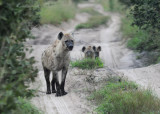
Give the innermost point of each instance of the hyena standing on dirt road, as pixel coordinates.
(56, 58)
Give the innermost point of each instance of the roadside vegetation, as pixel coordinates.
(16, 70)
(111, 5)
(141, 25)
(25, 107)
(90, 11)
(124, 97)
(93, 22)
(57, 12)
(88, 63)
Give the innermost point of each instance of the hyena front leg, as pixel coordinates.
(58, 92)
(64, 73)
(46, 74)
(54, 82)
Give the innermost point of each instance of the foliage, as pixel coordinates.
(57, 12)
(25, 107)
(146, 13)
(123, 97)
(16, 19)
(110, 5)
(90, 11)
(93, 22)
(88, 63)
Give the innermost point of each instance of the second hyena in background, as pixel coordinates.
(91, 52)
(56, 58)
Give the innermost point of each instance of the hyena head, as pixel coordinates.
(96, 51)
(88, 51)
(67, 41)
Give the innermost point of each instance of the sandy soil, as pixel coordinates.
(79, 84)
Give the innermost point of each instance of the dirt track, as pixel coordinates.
(114, 53)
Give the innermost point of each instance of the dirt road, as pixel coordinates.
(114, 53)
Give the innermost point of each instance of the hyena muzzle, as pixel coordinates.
(56, 58)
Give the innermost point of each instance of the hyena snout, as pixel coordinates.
(89, 53)
(70, 44)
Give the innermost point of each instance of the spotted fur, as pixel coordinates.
(56, 58)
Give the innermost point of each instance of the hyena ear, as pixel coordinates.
(83, 49)
(60, 35)
(99, 48)
(94, 48)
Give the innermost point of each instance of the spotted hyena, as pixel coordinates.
(96, 51)
(91, 51)
(56, 58)
(88, 52)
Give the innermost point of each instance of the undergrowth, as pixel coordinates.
(124, 97)
(57, 12)
(90, 10)
(88, 63)
(93, 22)
(25, 107)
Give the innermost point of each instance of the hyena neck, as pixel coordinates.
(60, 51)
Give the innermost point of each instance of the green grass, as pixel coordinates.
(123, 97)
(25, 107)
(93, 22)
(111, 5)
(88, 63)
(90, 11)
(56, 13)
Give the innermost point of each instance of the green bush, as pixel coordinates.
(16, 19)
(93, 22)
(88, 63)
(123, 97)
(25, 107)
(56, 13)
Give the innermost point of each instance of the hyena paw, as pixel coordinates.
(63, 93)
(53, 91)
(48, 92)
(58, 94)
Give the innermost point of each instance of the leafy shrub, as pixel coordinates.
(56, 13)
(93, 22)
(123, 97)
(17, 17)
(88, 63)
(25, 107)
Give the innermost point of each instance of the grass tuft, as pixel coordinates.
(93, 22)
(124, 98)
(90, 11)
(88, 63)
(56, 13)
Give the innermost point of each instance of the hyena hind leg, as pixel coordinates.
(54, 82)
(47, 74)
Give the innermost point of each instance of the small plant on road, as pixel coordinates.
(88, 63)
